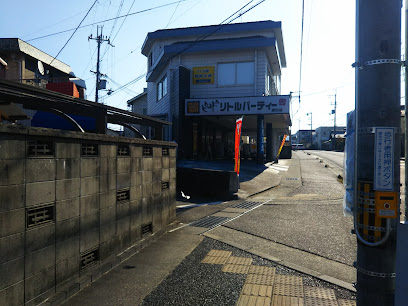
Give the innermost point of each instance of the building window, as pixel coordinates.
(269, 84)
(162, 88)
(230, 74)
(150, 60)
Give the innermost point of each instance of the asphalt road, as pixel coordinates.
(335, 160)
(307, 215)
(331, 156)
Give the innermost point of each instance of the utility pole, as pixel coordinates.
(334, 112)
(334, 128)
(311, 129)
(99, 39)
(377, 158)
(406, 110)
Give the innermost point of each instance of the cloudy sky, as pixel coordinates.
(328, 43)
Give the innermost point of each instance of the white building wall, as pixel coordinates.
(261, 67)
(213, 59)
(161, 107)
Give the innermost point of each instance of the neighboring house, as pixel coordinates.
(305, 137)
(203, 85)
(23, 63)
(138, 105)
(29, 65)
(325, 133)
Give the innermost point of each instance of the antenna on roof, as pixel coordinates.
(40, 67)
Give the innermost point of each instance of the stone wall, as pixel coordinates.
(71, 204)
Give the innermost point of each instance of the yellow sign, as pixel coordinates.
(193, 107)
(386, 204)
(203, 75)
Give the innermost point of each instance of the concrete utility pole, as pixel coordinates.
(99, 39)
(334, 128)
(406, 109)
(377, 166)
(311, 129)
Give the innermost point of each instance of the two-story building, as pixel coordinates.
(138, 105)
(204, 78)
(305, 137)
(325, 133)
(24, 63)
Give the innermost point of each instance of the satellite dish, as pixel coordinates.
(40, 67)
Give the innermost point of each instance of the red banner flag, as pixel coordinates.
(238, 127)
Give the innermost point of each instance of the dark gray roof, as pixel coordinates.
(218, 29)
(131, 101)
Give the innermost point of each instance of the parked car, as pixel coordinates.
(298, 146)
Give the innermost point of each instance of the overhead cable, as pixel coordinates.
(202, 37)
(106, 20)
(73, 33)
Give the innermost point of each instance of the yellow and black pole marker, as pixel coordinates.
(377, 159)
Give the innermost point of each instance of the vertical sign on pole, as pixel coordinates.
(238, 127)
(384, 159)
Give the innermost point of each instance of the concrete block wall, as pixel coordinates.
(70, 203)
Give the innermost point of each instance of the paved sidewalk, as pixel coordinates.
(189, 266)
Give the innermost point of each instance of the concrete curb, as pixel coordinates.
(258, 192)
(285, 263)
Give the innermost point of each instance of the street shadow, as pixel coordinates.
(248, 168)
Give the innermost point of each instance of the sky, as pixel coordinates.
(328, 44)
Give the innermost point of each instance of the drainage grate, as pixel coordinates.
(39, 215)
(147, 151)
(123, 150)
(292, 179)
(89, 149)
(246, 205)
(89, 259)
(147, 228)
(40, 148)
(122, 195)
(165, 151)
(210, 222)
(165, 185)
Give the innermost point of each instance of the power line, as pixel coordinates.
(126, 85)
(91, 58)
(52, 25)
(202, 37)
(173, 14)
(106, 49)
(117, 15)
(106, 20)
(73, 33)
(189, 9)
(123, 21)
